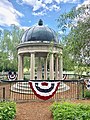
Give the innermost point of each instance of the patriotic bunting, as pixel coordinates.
(88, 85)
(12, 76)
(44, 89)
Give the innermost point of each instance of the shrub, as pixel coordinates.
(69, 111)
(7, 110)
(87, 93)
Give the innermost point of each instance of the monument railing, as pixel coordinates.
(20, 91)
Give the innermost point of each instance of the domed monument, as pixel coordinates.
(38, 42)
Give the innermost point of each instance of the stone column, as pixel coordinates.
(60, 68)
(32, 65)
(56, 68)
(20, 67)
(51, 67)
(45, 69)
(39, 70)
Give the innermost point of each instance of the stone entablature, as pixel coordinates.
(38, 48)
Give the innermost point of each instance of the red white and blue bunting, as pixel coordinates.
(87, 84)
(12, 76)
(44, 89)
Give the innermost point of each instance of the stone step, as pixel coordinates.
(25, 88)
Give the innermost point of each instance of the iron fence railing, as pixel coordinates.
(20, 90)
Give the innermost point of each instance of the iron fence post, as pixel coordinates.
(3, 93)
(83, 89)
(78, 90)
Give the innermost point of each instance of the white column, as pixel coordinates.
(56, 68)
(45, 69)
(20, 67)
(32, 64)
(51, 67)
(60, 68)
(39, 70)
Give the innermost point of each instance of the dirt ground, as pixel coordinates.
(34, 111)
(38, 110)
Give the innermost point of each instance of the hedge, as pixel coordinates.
(7, 110)
(87, 94)
(70, 111)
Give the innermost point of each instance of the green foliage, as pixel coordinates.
(27, 62)
(9, 40)
(87, 94)
(76, 39)
(7, 110)
(69, 111)
(50, 49)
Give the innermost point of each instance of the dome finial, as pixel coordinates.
(40, 23)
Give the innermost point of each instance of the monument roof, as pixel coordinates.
(39, 33)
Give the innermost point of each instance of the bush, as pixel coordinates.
(87, 93)
(69, 111)
(7, 110)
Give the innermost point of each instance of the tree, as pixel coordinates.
(9, 39)
(77, 42)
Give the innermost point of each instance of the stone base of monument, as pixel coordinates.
(24, 87)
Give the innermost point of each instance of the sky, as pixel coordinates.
(26, 13)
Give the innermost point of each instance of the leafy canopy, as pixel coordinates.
(76, 38)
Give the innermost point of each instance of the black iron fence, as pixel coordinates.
(20, 90)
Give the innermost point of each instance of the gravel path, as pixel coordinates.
(34, 111)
